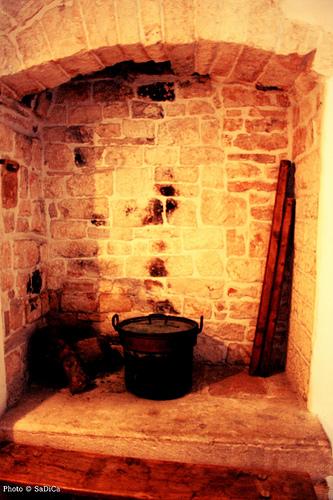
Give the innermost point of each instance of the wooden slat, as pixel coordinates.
(264, 368)
(273, 247)
(120, 477)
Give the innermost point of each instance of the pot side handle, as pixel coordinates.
(201, 324)
(115, 321)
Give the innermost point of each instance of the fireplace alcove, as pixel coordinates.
(131, 205)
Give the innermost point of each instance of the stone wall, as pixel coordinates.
(162, 206)
(22, 246)
(306, 122)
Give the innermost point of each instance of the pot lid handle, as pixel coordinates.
(115, 321)
(157, 316)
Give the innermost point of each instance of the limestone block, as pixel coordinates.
(235, 96)
(161, 155)
(195, 308)
(255, 141)
(89, 268)
(212, 176)
(6, 138)
(119, 247)
(245, 270)
(231, 331)
(205, 54)
(38, 221)
(176, 174)
(6, 254)
(90, 208)
(241, 186)
(118, 156)
(16, 314)
(110, 91)
(85, 62)
(33, 45)
(242, 170)
(175, 109)
(58, 157)
(179, 131)
(54, 187)
(256, 157)
(235, 242)
(181, 213)
(49, 74)
(151, 24)
(250, 65)
(86, 302)
(243, 310)
(139, 128)
(201, 155)
(221, 208)
(89, 113)
(9, 221)
(127, 213)
(262, 213)
(258, 239)
(202, 238)
(196, 287)
(26, 253)
(114, 302)
(104, 133)
(200, 87)
(179, 265)
(23, 148)
(244, 292)
(266, 124)
(227, 54)
(22, 225)
(178, 22)
(61, 230)
(57, 114)
(117, 109)
(131, 182)
(73, 249)
(7, 280)
(200, 107)
(56, 273)
(71, 37)
(98, 184)
(145, 109)
(209, 263)
(102, 32)
(210, 131)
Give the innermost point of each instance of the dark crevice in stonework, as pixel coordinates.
(159, 91)
(171, 206)
(167, 190)
(79, 158)
(35, 282)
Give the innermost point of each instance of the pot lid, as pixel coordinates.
(158, 323)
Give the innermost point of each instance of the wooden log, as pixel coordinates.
(273, 247)
(101, 476)
(264, 367)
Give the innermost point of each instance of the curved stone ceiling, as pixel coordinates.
(44, 43)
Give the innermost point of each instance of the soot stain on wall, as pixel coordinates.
(159, 91)
(157, 267)
(154, 212)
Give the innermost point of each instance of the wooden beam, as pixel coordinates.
(273, 248)
(112, 477)
(264, 368)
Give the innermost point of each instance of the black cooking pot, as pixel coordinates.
(158, 353)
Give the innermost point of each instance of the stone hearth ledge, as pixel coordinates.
(237, 421)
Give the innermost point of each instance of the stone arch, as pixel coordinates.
(44, 43)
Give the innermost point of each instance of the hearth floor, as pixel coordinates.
(230, 418)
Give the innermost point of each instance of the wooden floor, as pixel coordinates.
(102, 476)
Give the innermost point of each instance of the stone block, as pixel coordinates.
(110, 91)
(9, 188)
(73, 249)
(245, 270)
(33, 45)
(232, 331)
(16, 314)
(118, 156)
(139, 128)
(54, 187)
(255, 141)
(243, 310)
(225, 60)
(250, 65)
(71, 38)
(256, 157)
(58, 157)
(262, 213)
(81, 115)
(244, 292)
(6, 138)
(179, 131)
(74, 64)
(114, 302)
(90, 208)
(242, 186)
(219, 208)
(238, 354)
(57, 114)
(267, 124)
(9, 221)
(85, 302)
(196, 287)
(197, 87)
(26, 254)
(201, 155)
(210, 131)
(127, 213)
(235, 242)
(181, 213)
(212, 176)
(61, 230)
(92, 268)
(117, 109)
(104, 133)
(99, 184)
(194, 308)
(143, 109)
(161, 155)
(131, 182)
(202, 238)
(38, 220)
(209, 263)
(175, 109)
(200, 107)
